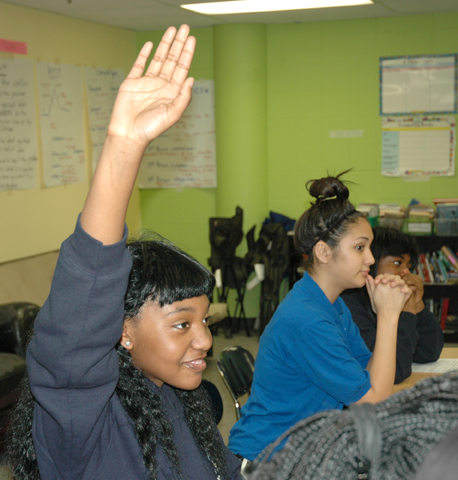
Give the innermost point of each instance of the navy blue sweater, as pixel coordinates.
(80, 429)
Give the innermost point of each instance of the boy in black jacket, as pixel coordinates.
(420, 337)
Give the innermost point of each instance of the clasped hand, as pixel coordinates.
(415, 283)
(388, 293)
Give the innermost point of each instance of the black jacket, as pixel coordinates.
(420, 337)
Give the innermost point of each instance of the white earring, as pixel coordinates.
(127, 343)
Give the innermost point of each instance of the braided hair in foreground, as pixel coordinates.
(385, 441)
(164, 274)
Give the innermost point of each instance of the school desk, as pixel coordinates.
(447, 352)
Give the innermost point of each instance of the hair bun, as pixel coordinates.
(328, 187)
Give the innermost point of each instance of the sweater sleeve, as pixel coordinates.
(72, 362)
(406, 344)
(431, 338)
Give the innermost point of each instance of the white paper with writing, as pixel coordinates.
(102, 86)
(18, 130)
(60, 90)
(185, 155)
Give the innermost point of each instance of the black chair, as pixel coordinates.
(271, 249)
(225, 235)
(236, 367)
(16, 323)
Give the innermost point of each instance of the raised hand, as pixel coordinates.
(149, 102)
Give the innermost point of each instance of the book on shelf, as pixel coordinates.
(445, 260)
(436, 267)
(445, 200)
(441, 276)
(451, 256)
(441, 265)
(421, 210)
(445, 303)
(391, 206)
(391, 210)
(369, 209)
(435, 277)
(424, 268)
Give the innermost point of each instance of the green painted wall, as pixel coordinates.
(324, 76)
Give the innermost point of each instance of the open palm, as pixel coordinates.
(149, 102)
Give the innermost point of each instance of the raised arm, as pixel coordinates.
(148, 103)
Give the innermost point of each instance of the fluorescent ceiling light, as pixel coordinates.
(250, 6)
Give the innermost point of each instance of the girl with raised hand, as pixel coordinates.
(311, 356)
(115, 364)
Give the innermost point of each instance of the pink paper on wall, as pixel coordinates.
(12, 46)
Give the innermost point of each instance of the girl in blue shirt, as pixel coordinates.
(311, 356)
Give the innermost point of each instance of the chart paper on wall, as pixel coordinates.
(60, 90)
(185, 155)
(18, 130)
(102, 86)
(418, 84)
(414, 146)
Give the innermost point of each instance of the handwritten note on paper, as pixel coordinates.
(418, 146)
(185, 155)
(102, 85)
(60, 89)
(18, 135)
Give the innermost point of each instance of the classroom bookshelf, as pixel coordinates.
(436, 292)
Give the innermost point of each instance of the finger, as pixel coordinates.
(369, 283)
(182, 100)
(184, 63)
(161, 52)
(398, 282)
(139, 66)
(171, 56)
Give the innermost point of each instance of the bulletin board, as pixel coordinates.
(418, 146)
(423, 84)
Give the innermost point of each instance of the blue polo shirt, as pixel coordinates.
(311, 358)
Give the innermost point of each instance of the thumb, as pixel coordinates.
(184, 97)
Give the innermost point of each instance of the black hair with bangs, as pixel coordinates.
(164, 274)
(391, 242)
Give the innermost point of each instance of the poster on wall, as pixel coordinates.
(18, 130)
(418, 84)
(418, 146)
(60, 96)
(102, 85)
(185, 155)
